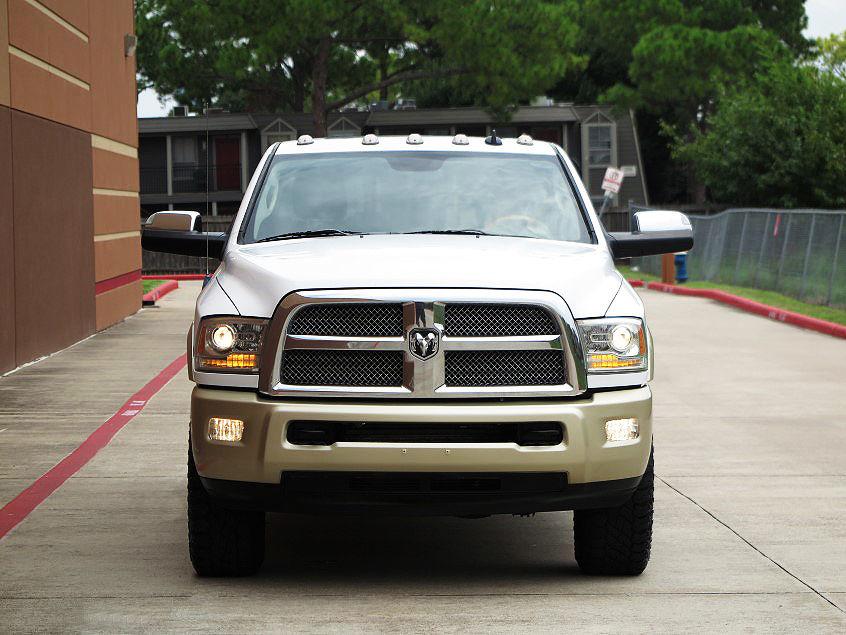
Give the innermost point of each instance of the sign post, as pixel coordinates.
(611, 184)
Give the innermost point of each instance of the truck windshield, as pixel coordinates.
(405, 192)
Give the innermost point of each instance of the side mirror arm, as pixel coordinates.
(632, 244)
(184, 243)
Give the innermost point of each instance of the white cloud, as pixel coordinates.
(149, 105)
(825, 17)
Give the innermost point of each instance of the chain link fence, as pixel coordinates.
(800, 253)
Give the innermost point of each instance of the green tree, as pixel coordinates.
(832, 53)
(324, 54)
(779, 139)
(668, 59)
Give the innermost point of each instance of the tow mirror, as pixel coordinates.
(176, 220)
(179, 232)
(655, 232)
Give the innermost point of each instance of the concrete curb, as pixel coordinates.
(771, 312)
(149, 298)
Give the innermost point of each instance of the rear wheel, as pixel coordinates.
(617, 540)
(221, 541)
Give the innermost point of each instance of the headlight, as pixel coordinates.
(229, 344)
(613, 344)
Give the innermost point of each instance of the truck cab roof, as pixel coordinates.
(397, 143)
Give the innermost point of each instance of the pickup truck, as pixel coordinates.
(419, 325)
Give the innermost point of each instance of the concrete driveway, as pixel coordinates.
(750, 529)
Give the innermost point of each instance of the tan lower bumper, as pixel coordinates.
(263, 453)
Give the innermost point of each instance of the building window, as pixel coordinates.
(343, 128)
(600, 139)
(276, 131)
(184, 150)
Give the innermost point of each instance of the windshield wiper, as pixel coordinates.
(466, 232)
(310, 233)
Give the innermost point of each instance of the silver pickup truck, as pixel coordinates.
(419, 325)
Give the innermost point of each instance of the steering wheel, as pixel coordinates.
(528, 224)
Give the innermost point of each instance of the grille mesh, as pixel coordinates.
(342, 368)
(360, 319)
(504, 368)
(496, 320)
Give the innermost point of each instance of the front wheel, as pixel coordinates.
(617, 540)
(221, 542)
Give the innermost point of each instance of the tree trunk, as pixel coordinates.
(699, 189)
(299, 74)
(700, 192)
(383, 74)
(299, 94)
(319, 79)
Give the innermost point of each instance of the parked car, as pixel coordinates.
(420, 325)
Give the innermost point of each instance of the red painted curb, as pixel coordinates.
(635, 283)
(745, 304)
(24, 503)
(176, 276)
(158, 292)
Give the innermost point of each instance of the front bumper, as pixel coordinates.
(592, 468)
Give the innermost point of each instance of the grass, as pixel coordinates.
(758, 295)
(149, 285)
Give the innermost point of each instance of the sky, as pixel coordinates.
(824, 18)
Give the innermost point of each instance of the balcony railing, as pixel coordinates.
(192, 178)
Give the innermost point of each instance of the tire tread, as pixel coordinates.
(617, 540)
(221, 542)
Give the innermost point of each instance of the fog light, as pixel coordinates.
(230, 430)
(617, 430)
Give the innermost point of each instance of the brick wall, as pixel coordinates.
(70, 253)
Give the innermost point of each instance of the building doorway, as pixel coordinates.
(227, 163)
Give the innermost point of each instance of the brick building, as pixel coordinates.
(70, 252)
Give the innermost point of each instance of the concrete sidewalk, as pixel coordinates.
(750, 519)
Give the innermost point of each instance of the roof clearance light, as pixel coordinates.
(305, 140)
(414, 139)
(461, 140)
(525, 140)
(369, 140)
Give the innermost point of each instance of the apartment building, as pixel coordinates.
(203, 163)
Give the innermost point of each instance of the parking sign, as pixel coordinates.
(613, 180)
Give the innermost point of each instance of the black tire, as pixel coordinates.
(617, 540)
(222, 542)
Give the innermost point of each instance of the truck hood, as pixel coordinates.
(257, 276)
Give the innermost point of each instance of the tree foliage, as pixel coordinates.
(323, 54)
(669, 60)
(778, 140)
(832, 52)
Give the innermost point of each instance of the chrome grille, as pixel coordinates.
(359, 319)
(342, 368)
(366, 343)
(497, 320)
(504, 368)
